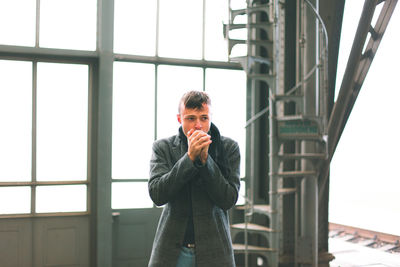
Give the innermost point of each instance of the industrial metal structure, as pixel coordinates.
(303, 128)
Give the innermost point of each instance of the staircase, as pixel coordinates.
(296, 120)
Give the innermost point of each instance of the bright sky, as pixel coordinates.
(365, 178)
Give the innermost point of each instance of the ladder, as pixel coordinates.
(302, 128)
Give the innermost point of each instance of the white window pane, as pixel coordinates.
(130, 195)
(173, 82)
(180, 28)
(135, 30)
(69, 24)
(15, 120)
(242, 194)
(238, 4)
(14, 200)
(227, 89)
(61, 198)
(133, 119)
(216, 47)
(62, 121)
(17, 24)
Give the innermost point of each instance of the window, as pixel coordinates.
(44, 141)
(44, 96)
(135, 34)
(17, 25)
(19, 196)
(58, 30)
(133, 119)
(173, 82)
(228, 96)
(62, 119)
(16, 120)
(177, 39)
(151, 74)
(50, 25)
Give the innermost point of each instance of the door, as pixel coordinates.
(133, 234)
(44, 112)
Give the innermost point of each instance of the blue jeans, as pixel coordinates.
(187, 258)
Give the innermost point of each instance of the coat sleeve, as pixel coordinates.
(223, 191)
(166, 176)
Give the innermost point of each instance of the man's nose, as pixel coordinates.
(198, 125)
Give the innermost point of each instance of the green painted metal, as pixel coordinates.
(102, 143)
(303, 128)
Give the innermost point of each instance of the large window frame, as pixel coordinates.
(100, 64)
(157, 61)
(13, 54)
(37, 54)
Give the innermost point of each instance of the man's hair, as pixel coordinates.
(194, 100)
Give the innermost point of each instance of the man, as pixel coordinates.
(195, 174)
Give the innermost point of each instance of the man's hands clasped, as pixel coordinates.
(198, 144)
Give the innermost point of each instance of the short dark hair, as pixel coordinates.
(194, 100)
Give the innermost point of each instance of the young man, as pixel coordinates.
(195, 174)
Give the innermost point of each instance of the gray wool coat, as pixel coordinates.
(172, 176)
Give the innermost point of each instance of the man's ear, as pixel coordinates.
(178, 116)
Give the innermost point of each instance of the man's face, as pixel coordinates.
(197, 119)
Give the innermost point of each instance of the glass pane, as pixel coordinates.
(227, 89)
(69, 24)
(17, 24)
(173, 82)
(180, 30)
(15, 120)
(130, 196)
(135, 30)
(133, 120)
(14, 200)
(242, 194)
(58, 198)
(216, 47)
(62, 121)
(238, 4)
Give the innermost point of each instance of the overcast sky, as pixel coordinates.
(365, 177)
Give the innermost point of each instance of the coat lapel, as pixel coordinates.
(178, 149)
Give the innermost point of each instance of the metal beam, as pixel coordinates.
(47, 54)
(355, 73)
(178, 62)
(309, 49)
(101, 139)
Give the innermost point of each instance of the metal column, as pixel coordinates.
(308, 59)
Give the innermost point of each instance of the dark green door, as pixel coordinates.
(133, 234)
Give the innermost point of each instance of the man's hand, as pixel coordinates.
(198, 144)
(204, 155)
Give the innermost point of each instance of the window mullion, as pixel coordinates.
(157, 27)
(34, 139)
(203, 34)
(155, 100)
(37, 23)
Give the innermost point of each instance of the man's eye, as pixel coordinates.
(205, 118)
